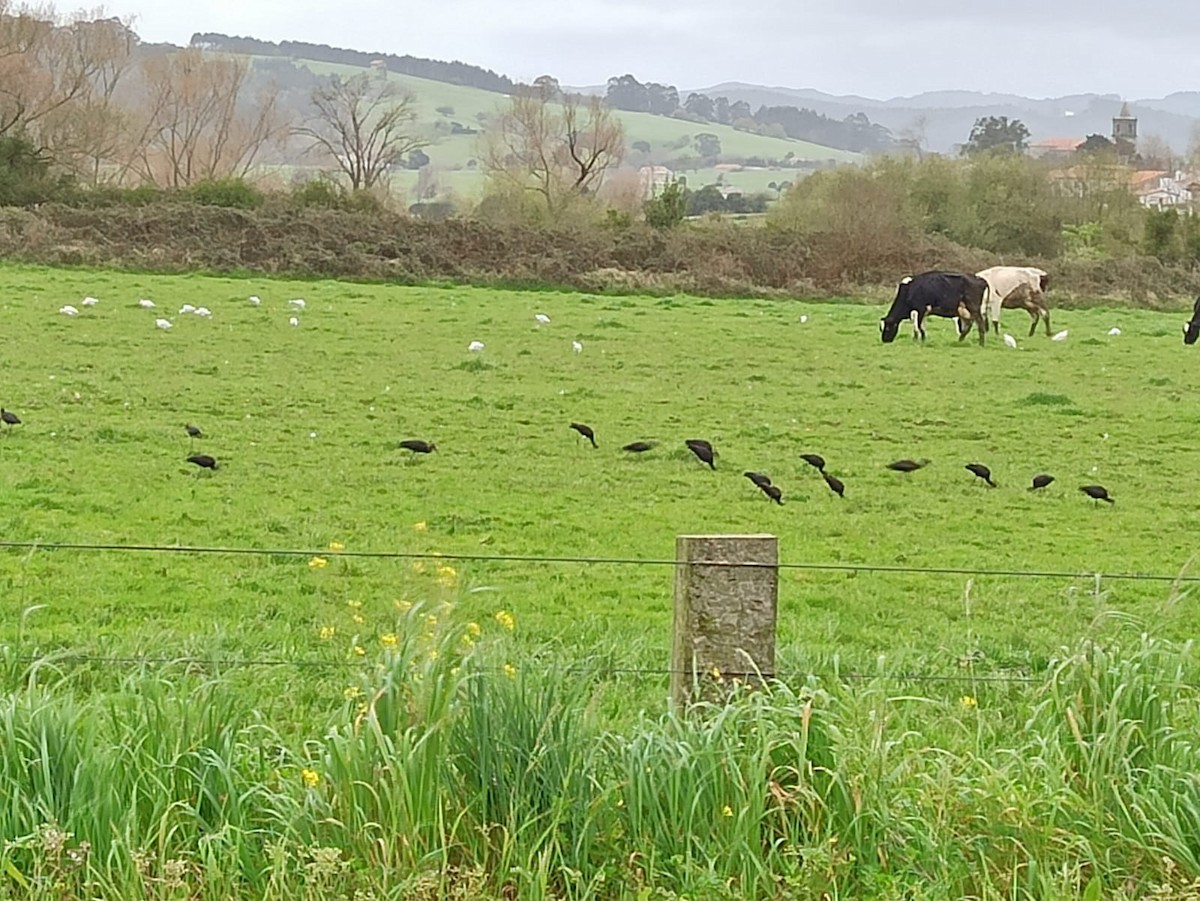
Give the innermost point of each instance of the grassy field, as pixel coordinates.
(305, 421)
(505, 779)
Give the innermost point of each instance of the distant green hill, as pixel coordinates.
(441, 105)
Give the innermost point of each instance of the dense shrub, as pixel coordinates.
(236, 193)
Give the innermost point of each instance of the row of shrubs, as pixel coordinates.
(714, 258)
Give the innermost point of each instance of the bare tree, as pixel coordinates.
(363, 126)
(1156, 153)
(198, 119)
(912, 136)
(555, 147)
(50, 66)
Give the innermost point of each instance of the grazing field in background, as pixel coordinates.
(305, 420)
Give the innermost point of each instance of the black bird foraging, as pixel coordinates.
(982, 472)
(193, 431)
(773, 492)
(758, 478)
(417, 446)
(908, 465)
(703, 450)
(10, 418)
(585, 431)
(835, 484)
(815, 460)
(1097, 493)
(1041, 481)
(204, 461)
(638, 447)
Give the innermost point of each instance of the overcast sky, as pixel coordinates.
(877, 48)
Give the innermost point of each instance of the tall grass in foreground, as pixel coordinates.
(445, 771)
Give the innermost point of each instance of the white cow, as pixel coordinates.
(1017, 287)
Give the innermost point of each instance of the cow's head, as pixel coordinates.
(888, 330)
(1191, 331)
(1044, 282)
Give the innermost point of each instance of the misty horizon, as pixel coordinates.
(1114, 48)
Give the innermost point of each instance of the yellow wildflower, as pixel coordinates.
(433, 653)
(404, 606)
(311, 777)
(318, 563)
(968, 702)
(420, 526)
(716, 674)
(473, 630)
(327, 632)
(446, 576)
(358, 618)
(359, 651)
(336, 546)
(505, 619)
(510, 671)
(354, 605)
(389, 640)
(418, 566)
(351, 692)
(726, 811)
(468, 641)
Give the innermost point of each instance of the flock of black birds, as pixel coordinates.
(703, 450)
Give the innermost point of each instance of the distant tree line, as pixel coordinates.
(434, 69)
(855, 133)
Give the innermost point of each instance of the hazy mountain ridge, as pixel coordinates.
(949, 115)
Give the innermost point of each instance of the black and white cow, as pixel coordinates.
(1191, 328)
(954, 295)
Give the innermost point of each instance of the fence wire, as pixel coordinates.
(981, 572)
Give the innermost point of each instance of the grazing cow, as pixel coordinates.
(1004, 280)
(1191, 328)
(954, 295)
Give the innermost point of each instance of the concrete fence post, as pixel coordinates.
(724, 614)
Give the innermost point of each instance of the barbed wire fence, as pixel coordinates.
(596, 669)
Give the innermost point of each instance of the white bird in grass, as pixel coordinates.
(1010, 341)
(163, 324)
(90, 301)
(1061, 336)
(203, 312)
(542, 319)
(69, 310)
(475, 347)
(298, 303)
(1114, 331)
(255, 299)
(804, 319)
(186, 308)
(293, 321)
(577, 347)
(146, 304)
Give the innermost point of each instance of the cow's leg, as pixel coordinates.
(921, 326)
(914, 318)
(978, 317)
(1035, 314)
(1046, 319)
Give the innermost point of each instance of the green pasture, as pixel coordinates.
(305, 422)
(322, 725)
(472, 107)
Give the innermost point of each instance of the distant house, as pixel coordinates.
(1055, 148)
(1162, 190)
(652, 179)
(1151, 187)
